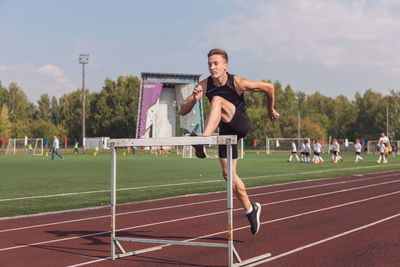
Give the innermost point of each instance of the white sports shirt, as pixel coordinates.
(384, 139)
(358, 147)
(294, 149)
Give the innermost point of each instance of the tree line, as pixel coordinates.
(113, 112)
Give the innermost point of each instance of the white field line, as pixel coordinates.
(326, 239)
(187, 183)
(213, 201)
(273, 221)
(210, 214)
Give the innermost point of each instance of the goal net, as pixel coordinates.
(280, 145)
(189, 152)
(96, 143)
(25, 146)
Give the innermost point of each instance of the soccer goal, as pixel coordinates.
(25, 146)
(188, 152)
(96, 143)
(282, 145)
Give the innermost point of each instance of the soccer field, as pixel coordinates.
(32, 184)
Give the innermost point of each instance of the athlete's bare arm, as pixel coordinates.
(244, 84)
(198, 92)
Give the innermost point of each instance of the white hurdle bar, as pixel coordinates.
(227, 140)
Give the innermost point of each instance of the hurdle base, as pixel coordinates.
(116, 242)
(251, 260)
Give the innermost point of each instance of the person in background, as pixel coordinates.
(302, 151)
(382, 148)
(357, 147)
(318, 151)
(56, 147)
(76, 148)
(386, 142)
(293, 151)
(307, 152)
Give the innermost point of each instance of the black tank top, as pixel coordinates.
(226, 91)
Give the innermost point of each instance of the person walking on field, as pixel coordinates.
(314, 148)
(335, 151)
(307, 152)
(317, 152)
(386, 142)
(228, 112)
(302, 151)
(358, 147)
(293, 151)
(56, 146)
(382, 158)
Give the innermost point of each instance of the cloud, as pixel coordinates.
(332, 33)
(35, 81)
(53, 71)
(5, 68)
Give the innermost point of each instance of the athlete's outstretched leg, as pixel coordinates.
(253, 210)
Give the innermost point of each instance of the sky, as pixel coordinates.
(334, 47)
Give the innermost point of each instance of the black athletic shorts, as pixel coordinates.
(307, 153)
(335, 153)
(294, 152)
(358, 153)
(240, 126)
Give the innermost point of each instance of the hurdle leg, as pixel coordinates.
(113, 198)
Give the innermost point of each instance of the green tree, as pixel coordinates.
(290, 105)
(20, 129)
(5, 125)
(3, 95)
(371, 117)
(312, 130)
(41, 128)
(114, 109)
(44, 107)
(19, 107)
(70, 112)
(393, 104)
(344, 116)
(320, 109)
(54, 111)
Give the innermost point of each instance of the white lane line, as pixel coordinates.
(326, 240)
(90, 262)
(212, 201)
(187, 183)
(204, 215)
(275, 220)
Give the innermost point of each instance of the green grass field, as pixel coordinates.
(32, 184)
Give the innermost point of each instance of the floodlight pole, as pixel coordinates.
(83, 59)
(387, 121)
(298, 125)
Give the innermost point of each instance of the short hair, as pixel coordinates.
(218, 51)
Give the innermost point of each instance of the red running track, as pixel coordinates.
(347, 221)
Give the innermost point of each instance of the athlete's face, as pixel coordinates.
(217, 66)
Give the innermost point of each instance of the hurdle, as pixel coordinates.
(227, 140)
